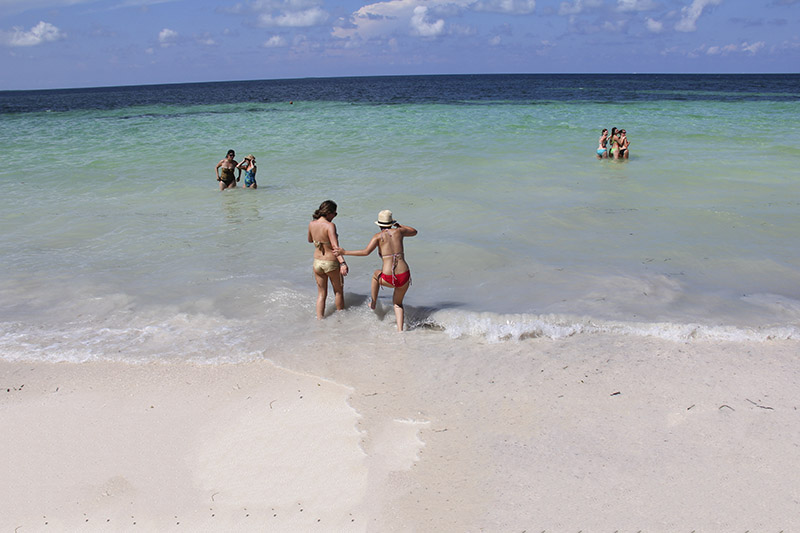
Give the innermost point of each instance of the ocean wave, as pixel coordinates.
(495, 327)
(197, 338)
(281, 320)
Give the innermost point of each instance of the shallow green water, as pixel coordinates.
(118, 210)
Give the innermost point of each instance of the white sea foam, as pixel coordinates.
(497, 328)
(284, 322)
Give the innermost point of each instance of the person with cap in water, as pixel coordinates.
(249, 167)
(395, 272)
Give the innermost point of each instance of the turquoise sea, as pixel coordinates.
(117, 243)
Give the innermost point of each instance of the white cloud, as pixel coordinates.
(690, 14)
(461, 30)
(752, 48)
(299, 19)
(635, 5)
(495, 41)
(304, 45)
(384, 20)
(422, 26)
(721, 50)
(614, 27)
(566, 9)
(41, 33)
(377, 20)
(654, 25)
(290, 13)
(789, 45)
(717, 50)
(167, 37)
(670, 50)
(745, 47)
(391, 19)
(276, 41)
(511, 7)
(577, 6)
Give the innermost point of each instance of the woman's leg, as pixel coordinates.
(322, 293)
(338, 288)
(397, 299)
(376, 285)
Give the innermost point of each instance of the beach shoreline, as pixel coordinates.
(594, 432)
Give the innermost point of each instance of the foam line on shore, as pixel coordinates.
(497, 327)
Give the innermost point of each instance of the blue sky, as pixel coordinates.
(87, 43)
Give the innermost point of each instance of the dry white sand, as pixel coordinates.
(593, 433)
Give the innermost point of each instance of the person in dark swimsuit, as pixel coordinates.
(395, 272)
(624, 153)
(224, 171)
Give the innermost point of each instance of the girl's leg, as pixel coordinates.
(397, 299)
(376, 285)
(322, 293)
(338, 288)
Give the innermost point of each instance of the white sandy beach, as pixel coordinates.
(591, 433)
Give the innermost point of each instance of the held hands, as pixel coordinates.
(343, 268)
(339, 252)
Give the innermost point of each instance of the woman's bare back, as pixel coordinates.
(390, 247)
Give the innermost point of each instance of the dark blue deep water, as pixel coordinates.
(456, 89)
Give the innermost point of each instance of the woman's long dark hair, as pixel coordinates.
(325, 208)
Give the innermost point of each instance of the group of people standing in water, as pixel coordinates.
(330, 265)
(614, 145)
(224, 171)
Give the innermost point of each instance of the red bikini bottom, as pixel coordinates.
(396, 280)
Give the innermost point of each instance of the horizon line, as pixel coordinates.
(199, 82)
